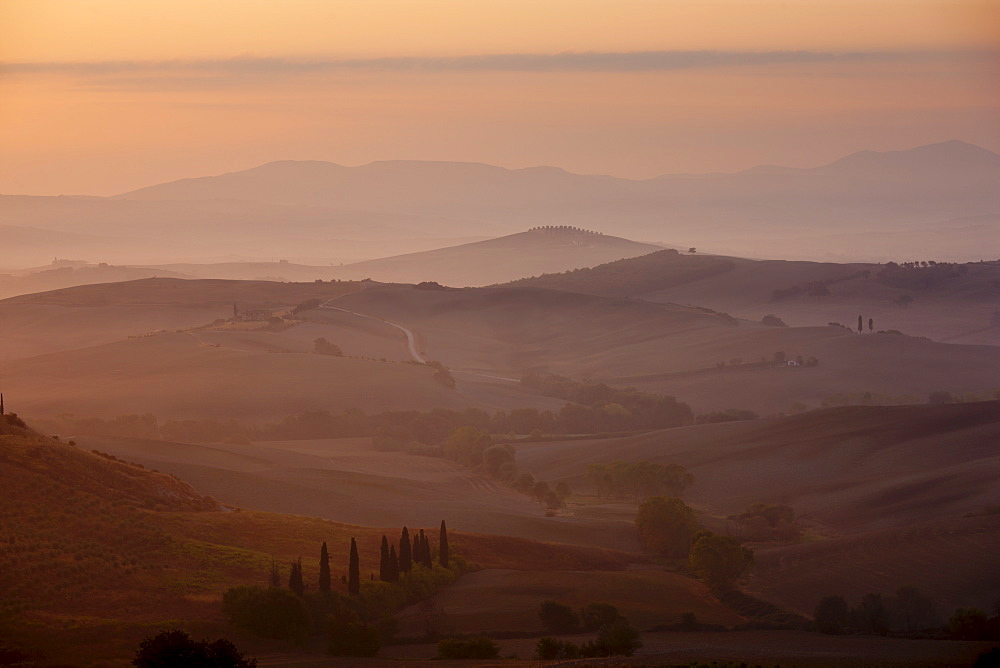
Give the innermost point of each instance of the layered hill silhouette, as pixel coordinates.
(867, 205)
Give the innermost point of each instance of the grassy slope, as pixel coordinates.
(97, 553)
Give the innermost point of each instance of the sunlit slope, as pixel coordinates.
(91, 315)
(347, 480)
(179, 376)
(537, 251)
(849, 469)
(958, 306)
(711, 360)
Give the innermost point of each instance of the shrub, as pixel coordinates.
(349, 636)
(558, 618)
(594, 616)
(551, 648)
(473, 648)
(619, 639)
(175, 648)
(832, 615)
(772, 320)
(270, 613)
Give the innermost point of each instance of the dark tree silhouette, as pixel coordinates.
(324, 569)
(275, 574)
(871, 324)
(295, 578)
(383, 562)
(443, 545)
(175, 648)
(405, 552)
(393, 564)
(354, 571)
(861, 325)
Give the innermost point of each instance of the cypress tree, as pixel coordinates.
(427, 550)
(324, 569)
(405, 552)
(443, 545)
(383, 563)
(354, 571)
(861, 326)
(393, 565)
(275, 574)
(295, 578)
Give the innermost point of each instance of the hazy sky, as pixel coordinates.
(99, 97)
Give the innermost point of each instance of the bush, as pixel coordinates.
(324, 347)
(594, 616)
(619, 639)
(349, 636)
(473, 648)
(832, 615)
(558, 618)
(772, 320)
(175, 648)
(719, 559)
(550, 648)
(269, 613)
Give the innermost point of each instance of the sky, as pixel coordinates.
(99, 97)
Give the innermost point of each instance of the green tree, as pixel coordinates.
(393, 564)
(595, 616)
(719, 559)
(324, 569)
(354, 571)
(383, 562)
(324, 347)
(443, 546)
(666, 526)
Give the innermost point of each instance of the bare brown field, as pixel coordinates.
(953, 562)
(348, 481)
(179, 376)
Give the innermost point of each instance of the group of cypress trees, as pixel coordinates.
(392, 563)
(417, 552)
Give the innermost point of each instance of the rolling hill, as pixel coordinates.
(707, 359)
(957, 303)
(537, 251)
(884, 490)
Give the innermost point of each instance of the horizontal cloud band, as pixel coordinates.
(634, 61)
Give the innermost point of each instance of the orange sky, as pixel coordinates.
(98, 97)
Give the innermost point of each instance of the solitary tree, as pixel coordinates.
(443, 545)
(666, 525)
(871, 324)
(405, 552)
(324, 569)
(354, 571)
(861, 326)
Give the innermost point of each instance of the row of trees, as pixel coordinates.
(908, 612)
(638, 480)
(360, 621)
